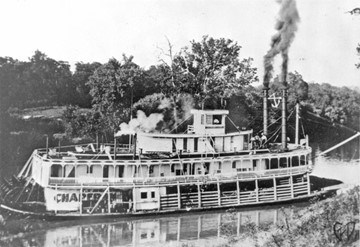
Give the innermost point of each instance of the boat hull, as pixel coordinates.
(68, 216)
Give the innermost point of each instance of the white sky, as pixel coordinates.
(94, 30)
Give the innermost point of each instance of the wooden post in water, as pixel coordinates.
(199, 227)
(178, 229)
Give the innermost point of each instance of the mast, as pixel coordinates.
(297, 123)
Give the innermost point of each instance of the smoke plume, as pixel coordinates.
(286, 26)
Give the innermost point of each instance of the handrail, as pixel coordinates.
(183, 178)
(149, 162)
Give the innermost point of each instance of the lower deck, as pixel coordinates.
(203, 195)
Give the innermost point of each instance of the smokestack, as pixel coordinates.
(266, 111)
(284, 70)
(286, 27)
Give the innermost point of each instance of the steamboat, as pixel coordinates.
(203, 168)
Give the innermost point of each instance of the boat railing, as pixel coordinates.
(86, 149)
(248, 175)
(93, 160)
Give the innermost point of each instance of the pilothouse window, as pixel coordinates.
(217, 119)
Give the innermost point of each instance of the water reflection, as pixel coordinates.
(189, 229)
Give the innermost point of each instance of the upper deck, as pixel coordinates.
(71, 168)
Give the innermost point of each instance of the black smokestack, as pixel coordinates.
(286, 27)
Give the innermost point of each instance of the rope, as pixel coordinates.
(233, 123)
(179, 124)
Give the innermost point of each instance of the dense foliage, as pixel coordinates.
(208, 73)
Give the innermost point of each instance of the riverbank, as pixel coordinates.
(330, 222)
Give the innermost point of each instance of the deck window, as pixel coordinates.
(185, 144)
(152, 194)
(209, 119)
(234, 164)
(196, 140)
(174, 145)
(302, 160)
(56, 171)
(283, 162)
(143, 195)
(274, 163)
(295, 161)
(89, 169)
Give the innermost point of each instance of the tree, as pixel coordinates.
(211, 69)
(112, 87)
(298, 89)
(48, 81)
(81, 76)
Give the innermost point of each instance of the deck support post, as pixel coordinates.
(56, 189)
(275, 190)
(219, 192)
(308, 183)
(134, 199)
(159, 201)
(257, 190)
(292, 186)
(178, 195)
(238, 191)
(199, 194)
(109, 204)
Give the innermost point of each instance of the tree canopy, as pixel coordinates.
(211, 69)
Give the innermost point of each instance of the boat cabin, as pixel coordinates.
(206, 135)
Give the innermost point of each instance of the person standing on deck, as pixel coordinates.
(263, 140)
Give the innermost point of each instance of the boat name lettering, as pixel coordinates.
(74, 197)
(66, 197)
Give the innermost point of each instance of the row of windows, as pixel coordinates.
(211, 119)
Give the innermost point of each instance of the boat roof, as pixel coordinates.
(210, 112)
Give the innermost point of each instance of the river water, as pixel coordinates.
(192, 229)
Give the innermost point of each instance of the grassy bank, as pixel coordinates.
(330, 222)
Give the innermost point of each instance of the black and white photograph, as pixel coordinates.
(184, 123)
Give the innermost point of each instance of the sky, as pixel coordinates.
(323, 51)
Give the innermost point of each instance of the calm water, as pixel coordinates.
(201, 229)
(204, 229)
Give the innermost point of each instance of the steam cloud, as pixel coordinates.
(281, 41)
(141, 124)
